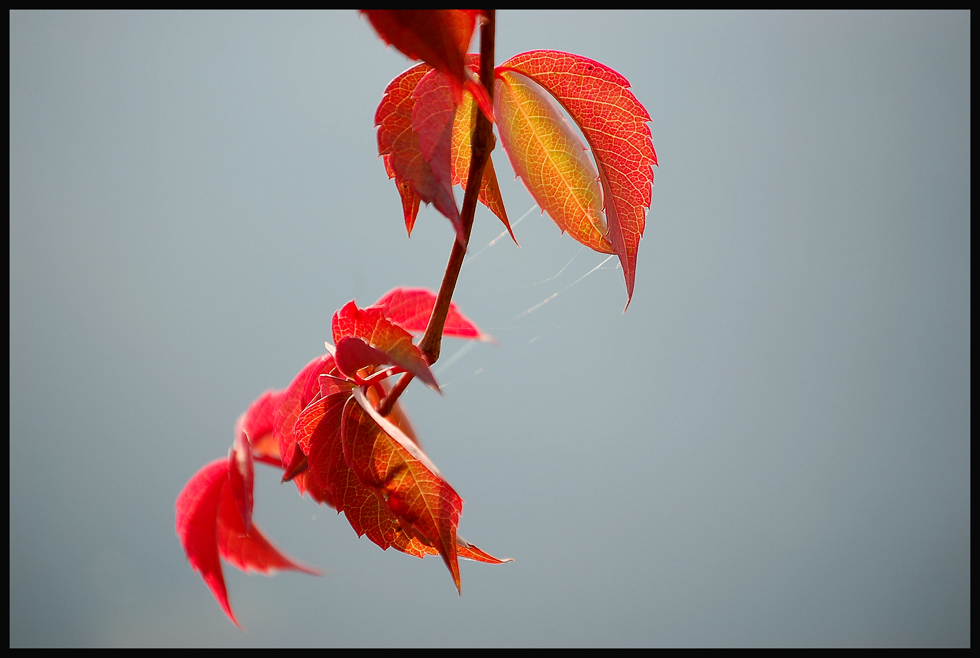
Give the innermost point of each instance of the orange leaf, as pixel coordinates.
(550, 158)
(463, 127)
(615, 125)
(403, 478)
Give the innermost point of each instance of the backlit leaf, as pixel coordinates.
(410, 308)
(403, 478)
(615, 125)
(399, 144)
(373, 328)
(439, 37)
(432, 118)
(209, 524)
(550, 158)
(293, 400)
(400, 147)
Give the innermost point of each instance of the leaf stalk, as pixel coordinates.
(481, 144)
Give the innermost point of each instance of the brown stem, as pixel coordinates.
(481, 144)
(385, 406)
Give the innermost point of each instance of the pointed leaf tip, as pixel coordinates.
(614, 123)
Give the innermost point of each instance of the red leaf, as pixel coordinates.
(197, 516)
(257, 424)
(400, 147)
(440, 37)
(615, 125)
(410, 200)
(403, 478)
(399, 144)
(293, 400)
(208, 523)
(432, 118)
(354, 354)
(410, 308)
(373, 328)
(249, 550)
(318, 434)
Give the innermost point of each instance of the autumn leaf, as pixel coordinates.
(410, 308)
(398, 144)
(398, 472)
(439, 37)
(257, 424)
(432, 119)
(401, 146)
(551, 160)
(615, 126)
(461, 150)
(371, 326)
(209, 524)
(319, 434)
(292, 401)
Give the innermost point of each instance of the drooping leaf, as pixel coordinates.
(400, 147)
(410, 308)
(438, 37)
(615, 125)
(209, 524)
(197, 529)
(463, 127)
(551, 160)
(410, 200)
(398, 144)
(432, 118)
(373, 328)
(396, 470)
(249, 550)
(318, 434)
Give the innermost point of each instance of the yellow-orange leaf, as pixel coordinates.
(550, 158)
(614, 123)
(461, 152)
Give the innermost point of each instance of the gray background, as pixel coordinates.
(771, 447)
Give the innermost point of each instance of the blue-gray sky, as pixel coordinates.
(770, 447)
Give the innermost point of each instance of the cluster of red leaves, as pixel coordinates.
(326, 435)
(427, 116)
(325, 430)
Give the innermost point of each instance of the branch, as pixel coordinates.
(482, 144)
